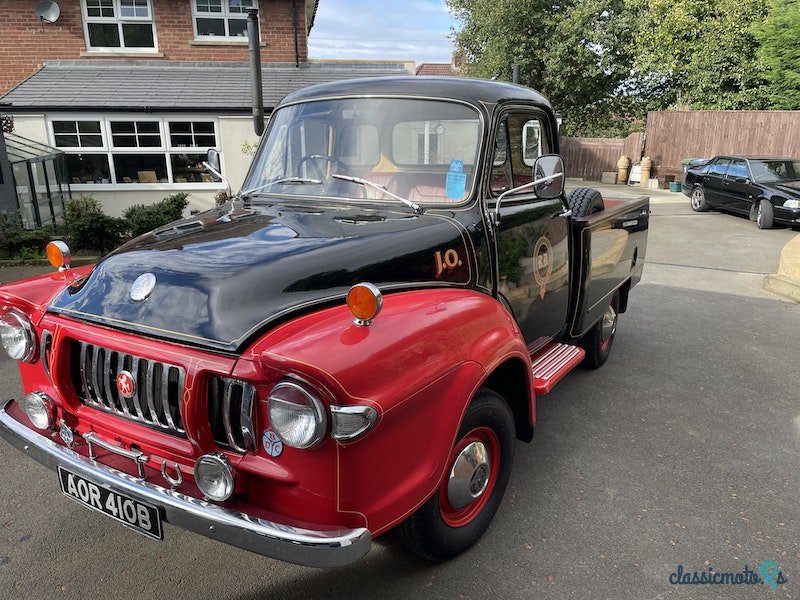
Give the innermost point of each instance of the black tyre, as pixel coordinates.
(478, 469)
(598, 340)
(698, 200)
(584, 201)
(765, 216)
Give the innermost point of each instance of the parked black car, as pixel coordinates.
(765, 188)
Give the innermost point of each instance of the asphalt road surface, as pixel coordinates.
(684, 449)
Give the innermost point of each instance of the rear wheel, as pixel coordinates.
(478, 469)
(584, 201)
(765, 216)
(598, 340)
(699, 203)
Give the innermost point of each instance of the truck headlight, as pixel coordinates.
(792, 203)
(18, 337)
(297, 416)
(39, 408)
(213, 474)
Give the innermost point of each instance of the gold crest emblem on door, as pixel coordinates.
(542, 264)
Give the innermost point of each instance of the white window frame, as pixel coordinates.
(119, 20)
(225, 15)
(165, 149)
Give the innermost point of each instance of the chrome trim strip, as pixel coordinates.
(181, 383)
(97, 393)
(106, 393)
(246, 418)
(136, 403)
(122, 399)
(151, 393)
(227, 397)
(82, 369)
(307, 547)
(164, 392)
(137, 456)
(45, 349)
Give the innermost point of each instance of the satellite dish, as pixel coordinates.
(48, 11)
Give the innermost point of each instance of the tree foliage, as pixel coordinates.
(779, 52)
(605, 63)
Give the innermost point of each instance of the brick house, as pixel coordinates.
(135, 91)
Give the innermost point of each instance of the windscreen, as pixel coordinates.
(371, 150)
(775, 171)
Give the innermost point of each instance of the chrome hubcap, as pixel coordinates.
(469, 476)
(609, 324)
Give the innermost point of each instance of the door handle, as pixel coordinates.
(567, 213)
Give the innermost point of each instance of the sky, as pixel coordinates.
(416, 30)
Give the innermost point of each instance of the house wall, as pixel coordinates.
(25, 43)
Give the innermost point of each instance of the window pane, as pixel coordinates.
(89, 126)
(237, 27)
(134, 8)
(239, 6)
(64, 140)
(180, 140)
(141, 168)
(148, 127)
(100, 8)
(203, 127)
(88, 168)
(214, 6)
(123, 127)
(150, 141)
(180, 127)
(204, 141)
(138, 35)
(103, 35)
(188, 168)
(91, 141)
(64, 127)
(124, 141)
(210, 27)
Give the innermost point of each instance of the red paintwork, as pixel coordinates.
(460, 517)
(419, 379)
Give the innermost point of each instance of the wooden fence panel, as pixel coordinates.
(675, 135)
(588, 158)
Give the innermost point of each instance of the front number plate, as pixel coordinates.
(136, 515)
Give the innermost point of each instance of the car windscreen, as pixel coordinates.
(370, 150)
(775, 171)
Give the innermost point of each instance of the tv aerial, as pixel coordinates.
(48, 11)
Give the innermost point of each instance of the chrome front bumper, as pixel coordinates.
(283, 542)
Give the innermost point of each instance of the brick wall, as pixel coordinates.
(25, 43)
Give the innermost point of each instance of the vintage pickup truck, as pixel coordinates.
(350, 346)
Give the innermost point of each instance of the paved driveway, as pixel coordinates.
(683, 449)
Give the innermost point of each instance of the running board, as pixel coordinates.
(551, 365)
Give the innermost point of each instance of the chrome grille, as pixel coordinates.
(231, 405)
(157, 392)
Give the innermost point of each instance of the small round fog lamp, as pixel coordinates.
(214, 476)
(364, 301)
(59, 255)
(39, 408)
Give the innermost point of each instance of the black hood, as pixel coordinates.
(790, 188)
(222, 279)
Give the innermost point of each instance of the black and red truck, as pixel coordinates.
(350, 346)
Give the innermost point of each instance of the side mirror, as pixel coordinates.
(213, 165)
(548, 175)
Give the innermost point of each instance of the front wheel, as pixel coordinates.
(478, 468)
(598, 340)
(699, 203)
(765, 216)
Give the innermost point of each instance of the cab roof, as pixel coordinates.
(474, 91)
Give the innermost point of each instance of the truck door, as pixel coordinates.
(532, 237)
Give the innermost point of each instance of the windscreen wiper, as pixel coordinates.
(283, 181)
(413, 205)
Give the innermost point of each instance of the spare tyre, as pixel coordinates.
(585, 201)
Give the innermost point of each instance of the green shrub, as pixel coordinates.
(17, 242)
(89, 228)
(143, 218)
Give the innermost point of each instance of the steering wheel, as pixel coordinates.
(338, 165)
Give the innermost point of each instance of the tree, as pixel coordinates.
(572, 51)
(705, 53)
(780, 53)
